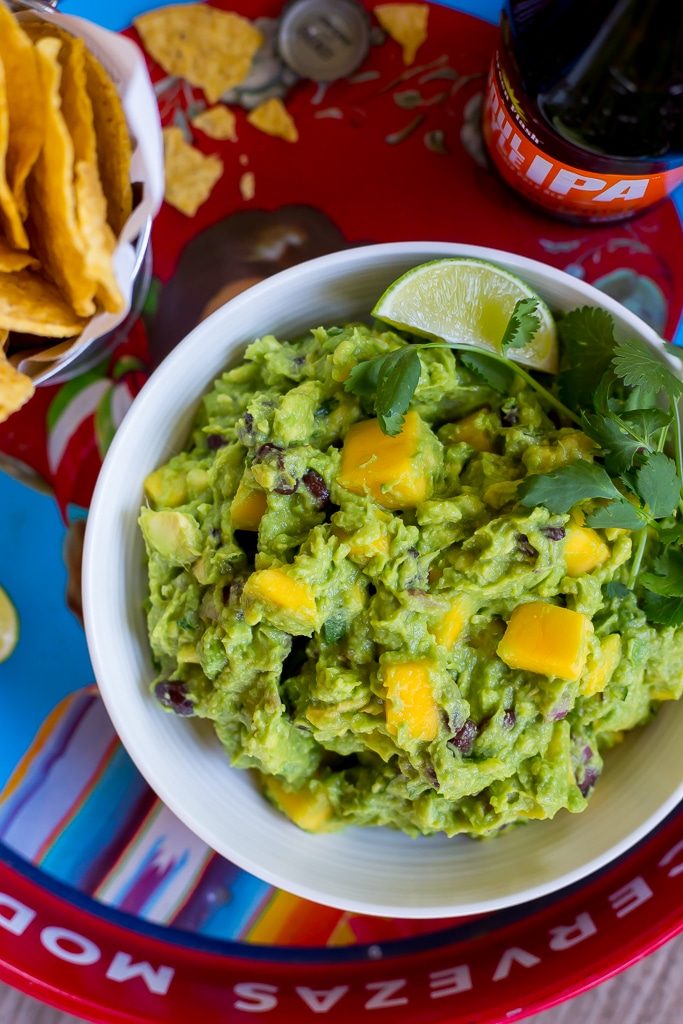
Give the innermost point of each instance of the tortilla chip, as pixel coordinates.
(406, 24)
(112, 141)
(33, 305)
(217, 123)
(114, 150)
(15, 388)
(209, 48)
(9, 213)
(11, 260)
(91, 212)
(25, 111)
(248, 185)
(4, 335)
(190, 175)
(273, 118)
(76, 106)
(54, 230)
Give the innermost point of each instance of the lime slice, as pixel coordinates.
(9, 626)
(469, 301)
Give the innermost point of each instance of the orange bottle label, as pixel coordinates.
(560, 187)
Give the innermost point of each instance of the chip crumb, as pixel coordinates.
(209, 48)
(248, 185)
(15, 388)
(406, 24)
(190, 175)
(217, 122)
(273, 118)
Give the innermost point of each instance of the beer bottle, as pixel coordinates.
(584, 106)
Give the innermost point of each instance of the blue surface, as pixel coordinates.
(51, 658)
(121, 12)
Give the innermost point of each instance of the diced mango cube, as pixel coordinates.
(276, 595)
(470, 430)
(410, 698)
(166, 488)
(601, 667)
(395, 471)
(584, 550)
(452, 624)
(547, 639)
(247, 508)
(367, 542)
(309, 809)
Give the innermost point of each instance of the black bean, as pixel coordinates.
(215, 441)
(173, 695)
(525, 547)
(465, 737)
(265, 451)
(317, 487)
(509, 719)
(553, 532)
(586, 754)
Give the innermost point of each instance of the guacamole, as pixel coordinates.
(375, 624)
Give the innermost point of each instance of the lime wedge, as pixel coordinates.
(9, 626)
(469, 301)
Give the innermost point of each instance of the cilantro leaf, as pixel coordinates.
(497, 375)
(334, 629)
(522, 325)
(618, 514)
(362, 380)
(667, 579)
(565, 487)
(658, 485)
(645, 423)
(587, 336)
(640, 367)
(665, 611)
(619, 450)
(616, 589)
(399, 375)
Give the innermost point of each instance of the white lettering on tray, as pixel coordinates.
(511, 956)
(157, 979)
(19, 917)
(565, 936)
(255, 997)
(321, 1000)
(630, 896)
(385, 992)
(86, 952)
(671, 855)
(450, 982)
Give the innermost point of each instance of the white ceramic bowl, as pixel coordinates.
(374, 871)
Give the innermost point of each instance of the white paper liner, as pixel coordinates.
(126, 65)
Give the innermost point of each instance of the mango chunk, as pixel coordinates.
(248, 507)
(166, 488)
(584, 550)
(275, 595)
(369, 540)
(410, 699)
(308, 809)
(600, 668)
(470, 430)
(547, 639)
(447, 631)
(395, 471)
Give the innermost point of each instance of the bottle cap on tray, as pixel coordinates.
(324, 39)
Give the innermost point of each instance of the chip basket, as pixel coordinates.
(84, 357)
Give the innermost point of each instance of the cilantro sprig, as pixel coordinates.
(622, 394)
(388, 382)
